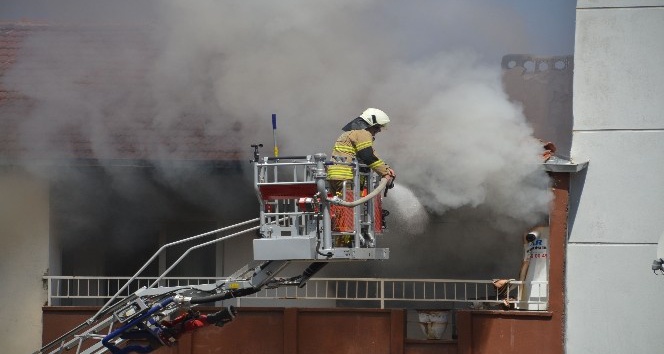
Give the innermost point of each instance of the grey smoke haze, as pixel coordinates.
(433, 66)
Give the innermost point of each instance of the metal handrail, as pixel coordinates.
(379, 290)
(164, 247)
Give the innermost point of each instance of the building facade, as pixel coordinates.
(616, 204)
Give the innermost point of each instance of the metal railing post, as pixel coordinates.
(321, 177)
(48, 291)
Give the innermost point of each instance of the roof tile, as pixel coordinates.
(138, 138)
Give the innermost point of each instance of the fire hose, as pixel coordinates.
(381, 186)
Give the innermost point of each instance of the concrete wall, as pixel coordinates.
(24, 235)
(616, 208)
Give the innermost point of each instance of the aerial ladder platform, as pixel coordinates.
(295, 224)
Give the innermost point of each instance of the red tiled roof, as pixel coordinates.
(11, 37)
(28, 131)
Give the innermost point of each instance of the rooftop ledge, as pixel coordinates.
(559, 164)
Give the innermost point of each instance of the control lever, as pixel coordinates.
(257, 155)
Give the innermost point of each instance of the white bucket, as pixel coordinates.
(433, 323)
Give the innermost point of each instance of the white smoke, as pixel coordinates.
(456, 140)
(469, 145)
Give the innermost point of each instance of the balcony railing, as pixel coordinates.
(371, 292)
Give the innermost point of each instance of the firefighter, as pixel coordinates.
(356, 142)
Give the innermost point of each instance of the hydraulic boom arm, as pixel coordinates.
(295, 225)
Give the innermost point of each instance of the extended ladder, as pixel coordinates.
(294, 225)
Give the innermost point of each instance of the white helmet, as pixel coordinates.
(375, 116)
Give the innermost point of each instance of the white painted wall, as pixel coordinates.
(617, 204)
(615, 302)
(24, 234)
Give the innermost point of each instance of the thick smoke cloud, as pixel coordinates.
(470, 145)
(456, 140)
